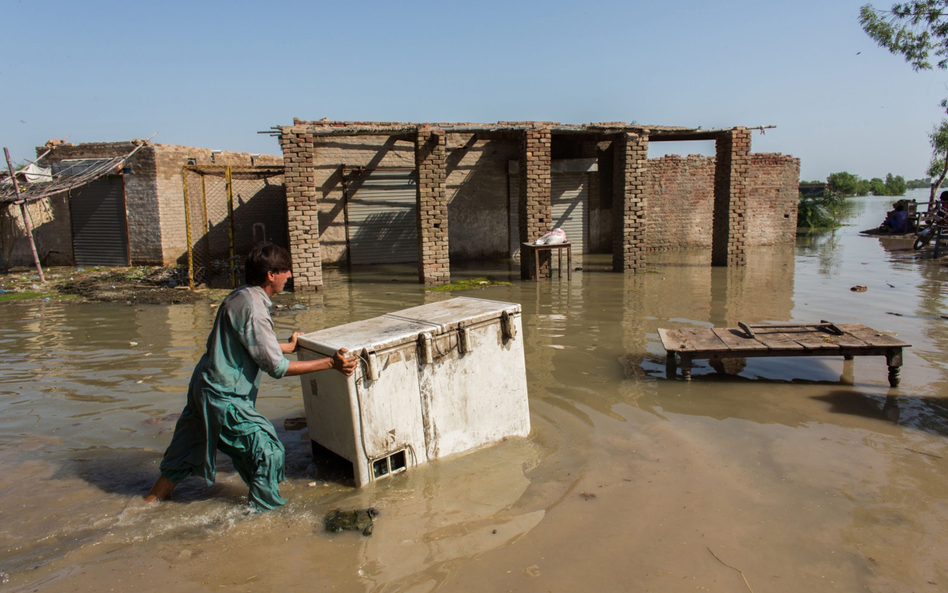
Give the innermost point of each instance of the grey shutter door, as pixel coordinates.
(99, 223)
(383, 226)
(570, 206)
(513, 196)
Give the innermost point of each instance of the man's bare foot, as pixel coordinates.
(161, 490)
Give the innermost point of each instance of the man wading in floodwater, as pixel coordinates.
(220, 412)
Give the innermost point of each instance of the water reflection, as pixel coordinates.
(88, 395)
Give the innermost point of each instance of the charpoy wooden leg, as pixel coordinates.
(559, 262)
(569, 262)
(685, 366)
(670, 365)
(848, 376)
(891, 408)
(893, 358)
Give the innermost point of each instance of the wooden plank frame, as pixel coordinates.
(682, 346)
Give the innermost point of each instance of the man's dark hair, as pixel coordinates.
(265, 257)
(943, 196)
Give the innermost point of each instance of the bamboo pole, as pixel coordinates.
(230, 229)
(26, 219)
(187, 226)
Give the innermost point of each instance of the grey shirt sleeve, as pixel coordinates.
(261, 342)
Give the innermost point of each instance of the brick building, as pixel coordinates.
(134, 217)
(376, 192)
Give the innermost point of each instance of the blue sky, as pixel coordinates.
(212, 74)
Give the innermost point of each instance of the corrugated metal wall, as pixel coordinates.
(570, 206)
(382, 208)
(99, 222)
(513, 197)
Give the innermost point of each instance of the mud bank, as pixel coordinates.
(136, 285)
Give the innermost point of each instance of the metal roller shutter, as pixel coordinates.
(99, 223)
(570, 205)
(382, 218)
(513, 196)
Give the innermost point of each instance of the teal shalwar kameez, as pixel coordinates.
(220, 413)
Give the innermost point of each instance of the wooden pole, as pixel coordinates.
(26, 218)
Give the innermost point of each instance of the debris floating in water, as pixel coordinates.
(859, 288)
(358, 520)
(294, 423)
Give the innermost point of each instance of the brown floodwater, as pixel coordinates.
(794, 474)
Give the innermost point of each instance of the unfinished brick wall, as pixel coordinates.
(772, 195)
(433, 265)
(730, 198)
(302, 207)
(680, 203)
(628, 202)
(535, 208)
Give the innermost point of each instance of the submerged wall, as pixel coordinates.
(680, 202)
(772, 195)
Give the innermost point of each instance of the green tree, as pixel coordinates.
(894, 185)
(877, 186)
(820, 212)
(862, 187)
(918, 183)
(842, 183)
(914, 30)
(938, 167)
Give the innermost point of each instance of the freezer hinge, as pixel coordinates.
(464, 340)
(507, 326)
(427, 347)
(371, 365)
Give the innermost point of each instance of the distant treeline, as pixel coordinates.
(847, 184)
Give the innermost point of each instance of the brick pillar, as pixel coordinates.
(301, 206)
(628, 202)
(434, 267)
(729, 230)
(535, 209)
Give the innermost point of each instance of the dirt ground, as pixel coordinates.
(135, 285)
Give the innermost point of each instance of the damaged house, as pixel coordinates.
(134, 213)
(432, 193)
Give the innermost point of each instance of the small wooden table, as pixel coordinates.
(816, 339)
(526, 248)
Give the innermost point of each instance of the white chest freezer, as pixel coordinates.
(432, 381)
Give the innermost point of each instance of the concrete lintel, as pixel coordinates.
(561, 166)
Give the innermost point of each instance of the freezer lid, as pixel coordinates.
(457, 312)
(373, 334)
